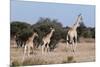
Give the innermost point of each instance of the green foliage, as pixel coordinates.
(93, 32)
(81, 29)
(17, 27)
(86, 32)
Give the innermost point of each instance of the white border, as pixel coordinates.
(5, 34)
(97, 32)
(90, 2)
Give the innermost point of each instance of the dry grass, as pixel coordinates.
(85, 53)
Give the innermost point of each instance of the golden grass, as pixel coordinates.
(61, 54)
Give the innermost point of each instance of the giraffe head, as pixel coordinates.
(80, 18)
(35, 34)
(52, 29)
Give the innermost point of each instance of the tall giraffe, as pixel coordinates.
(29, 44)
(72, 32)
(46, 40)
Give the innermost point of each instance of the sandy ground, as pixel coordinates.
(85, 52)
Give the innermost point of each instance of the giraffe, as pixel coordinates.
(72, 33)
(30, 44)
(46, 40)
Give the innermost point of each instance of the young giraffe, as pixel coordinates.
(46, 40)
(72, 33)
(29, 44)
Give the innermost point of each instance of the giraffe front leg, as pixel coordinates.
(29, 50)
(71, 47)
(25, 51)
(66, 46)
(33, 50)
(43, 47)
(47, 47)
(75, 46)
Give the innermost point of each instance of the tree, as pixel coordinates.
(81, 29)
(16, 27)
(21, 30)
(86, 32)
(43, 28)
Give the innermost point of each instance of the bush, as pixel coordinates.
(69, 59)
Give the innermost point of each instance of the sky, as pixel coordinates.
(30, 12)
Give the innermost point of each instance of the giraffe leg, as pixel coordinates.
(32, 49)
(67, 42)
(67, 45)
(47, 47)
(43, 48)
(25, 51)
(71, 47)
(29, 51)
(75, 46)
(71, 43)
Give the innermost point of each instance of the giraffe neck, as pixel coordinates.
(50, 34)
(76, 24)
(31, 38)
